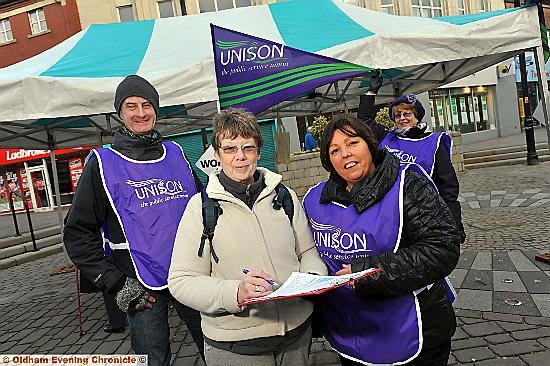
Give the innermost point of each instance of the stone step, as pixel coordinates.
(30, 256)
(504, 162)
(503, 150)
(26, 237)
(502, 156)
(28, 247)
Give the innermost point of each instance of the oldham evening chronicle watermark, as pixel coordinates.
(73, 360)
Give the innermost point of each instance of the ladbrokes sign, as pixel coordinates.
(11, 156)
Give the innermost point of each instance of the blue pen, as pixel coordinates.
(271, 282)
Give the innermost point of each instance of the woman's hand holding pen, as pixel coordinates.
(255, 283)
(346, 270)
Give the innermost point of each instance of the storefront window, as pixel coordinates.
(28, 173)
(460, 109)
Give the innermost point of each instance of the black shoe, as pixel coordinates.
(107, 328)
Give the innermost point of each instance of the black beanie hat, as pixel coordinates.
(409, 99)
(136, 86)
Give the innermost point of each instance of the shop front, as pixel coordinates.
(26, 176)
(461, 109)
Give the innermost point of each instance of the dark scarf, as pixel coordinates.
(248, 193)
(417, 131)
(138, 147)
(152, 138)
(369, 190)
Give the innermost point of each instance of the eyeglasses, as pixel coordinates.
(246, 149)
(404, 114)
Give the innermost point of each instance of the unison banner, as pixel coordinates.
(255, 74)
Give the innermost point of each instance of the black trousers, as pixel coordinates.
(438, 356)
(117, 317)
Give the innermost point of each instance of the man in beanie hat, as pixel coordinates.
(412, 144)
(131, 198)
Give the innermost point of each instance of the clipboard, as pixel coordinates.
(305, 284)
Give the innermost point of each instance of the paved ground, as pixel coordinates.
(505, 212)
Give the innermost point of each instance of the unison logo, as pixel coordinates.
(329, 236)
(156, 187)
(239, 51)
(404, 157)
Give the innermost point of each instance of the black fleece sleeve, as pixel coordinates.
(82, 236)
(446, 181)
(366, 113)
(428, 251)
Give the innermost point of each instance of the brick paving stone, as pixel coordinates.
(69, 339)
(108, 348)
(4, 337)
(467, 343)
(184, 361)
(516, 348)
(466, 259)
(457, 277)
(65, 332)
(23, 325)
(326, 358)
(49, 345)
(483, 261)
(124, 347)
(19, 349)
(89, 347)
(503, 317)
(31, 350)
(6, 346)
(545, 342)
(21, 334)
(475, 300)
(189, 350)
(73, 349)
(515, 361)
(498, 338)
(527, 307)
(474, 354)
(514, 327)
(466, 313)
(452, 360)
(501, 261)
(54, 321)
(508, 281)
(536, 359)
(473, 320)
(478, 280)
(460, 334)
(542, 302)
(536, 282)
(40, 342)
(531, 333)
(483, 329)
(119, 336)
(34, 336)
(535, 320)
(521, 262)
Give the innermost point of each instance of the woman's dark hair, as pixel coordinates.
(349, 125)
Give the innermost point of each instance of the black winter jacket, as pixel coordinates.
(91, 208)
(428, 250)
(444, 175)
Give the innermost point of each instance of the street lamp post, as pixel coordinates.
(532, 157)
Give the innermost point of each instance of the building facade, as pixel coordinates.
(108, 11)
(30, 27)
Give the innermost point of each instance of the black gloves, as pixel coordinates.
(375, 82)
(132, 296)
